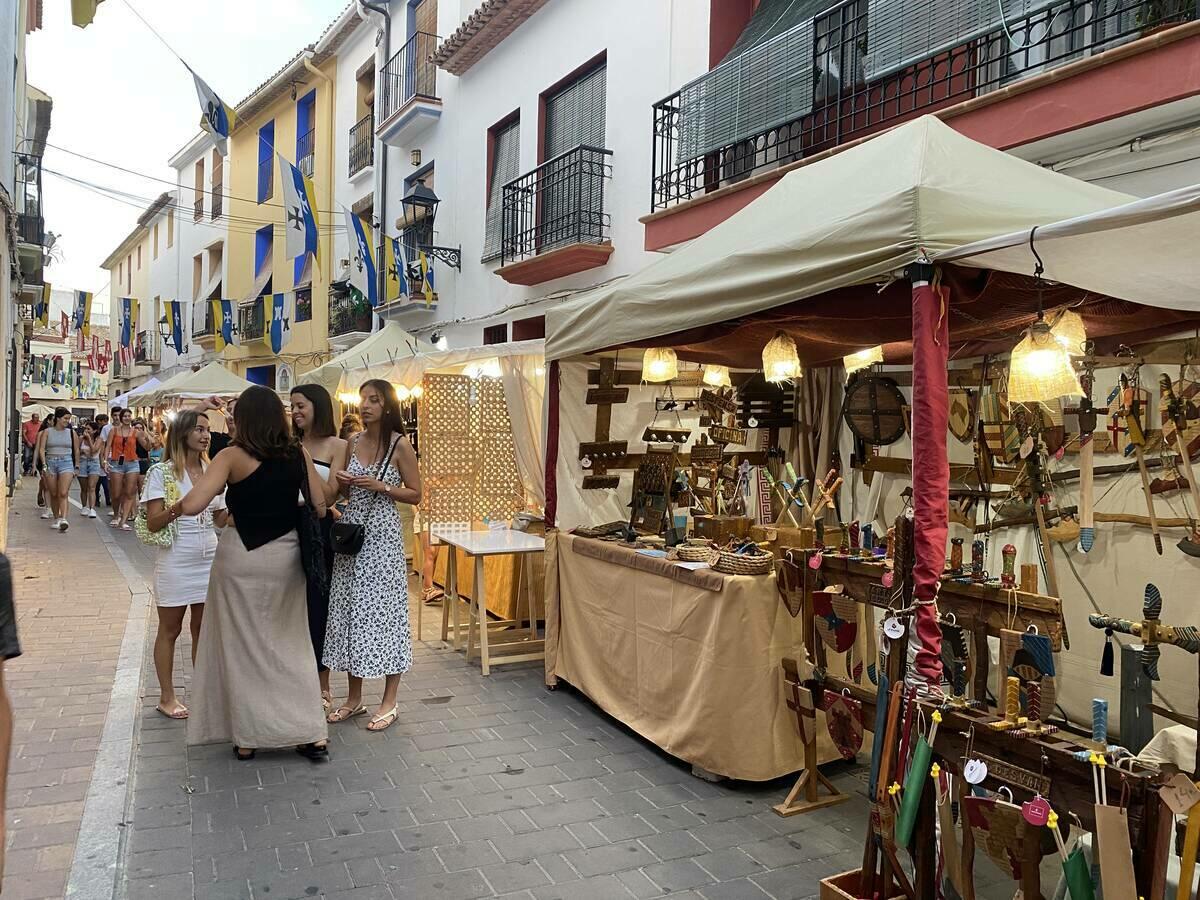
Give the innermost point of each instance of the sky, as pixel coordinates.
(120, 96)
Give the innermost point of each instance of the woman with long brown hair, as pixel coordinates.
(57, 449)
(255, 683)
(181, 572)
(368, 634)
(120, 463)
(312, 418)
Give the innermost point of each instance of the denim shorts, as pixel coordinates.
(124, 468)
(60, 465)
(88, 467)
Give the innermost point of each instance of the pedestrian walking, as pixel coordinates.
(255, 683)
(146, 442)
(368, 633)
(88, 471)
(181, 572)
(105, 429)
(120, 461)
(29, 433)
(312, 419)
(39, 466)
(58, 448)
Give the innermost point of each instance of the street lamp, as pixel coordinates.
(420, 209)
(164, 329)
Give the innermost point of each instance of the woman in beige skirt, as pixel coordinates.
(256, 682)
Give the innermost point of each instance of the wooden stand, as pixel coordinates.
(805, 794)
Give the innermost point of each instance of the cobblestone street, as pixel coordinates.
(485, 786)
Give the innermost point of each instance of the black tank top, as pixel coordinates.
(263, 503)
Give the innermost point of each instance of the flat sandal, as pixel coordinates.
(350, 712)
(393, 714)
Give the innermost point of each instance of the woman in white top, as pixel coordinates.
(312, 420)
(182, 570)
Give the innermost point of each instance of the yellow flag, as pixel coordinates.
(83, 12)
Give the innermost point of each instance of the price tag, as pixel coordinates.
(1180, 794)
(975, 771)
(893, 628)
(1036, 811)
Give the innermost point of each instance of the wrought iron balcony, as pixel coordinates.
(207, 328)
(218, 201)
(199, 207)
(147, 351)
(838, 77)
(558, 204)
(31, 226)
(346, 317)
(252, 321)
(408, 101)
(266, 179)
(362, 144)
(305, 153)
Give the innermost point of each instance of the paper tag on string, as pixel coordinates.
(893, 628)
(1036, 811)
(1180, 794)
(975, 771)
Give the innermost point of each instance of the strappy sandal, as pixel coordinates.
(345, 713)
(434, 595)
(181, 713)
(392, 714)
(326, 701)
(314, 752)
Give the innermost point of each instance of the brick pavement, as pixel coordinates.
(72, 608)
(486, 787)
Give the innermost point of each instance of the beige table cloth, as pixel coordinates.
(696, 671)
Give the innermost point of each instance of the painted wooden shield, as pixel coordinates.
(1188, 392)
(997, 827)
(1116, 433)
(844, 717)
(962, 414)
(792, 584)
(874, 409)
(836, 618)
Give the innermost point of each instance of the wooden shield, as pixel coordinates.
(792, 583)
(844, 717)
(1189, 393)
(962, 414)
(836, 618)
(874, 409)
(997, 827)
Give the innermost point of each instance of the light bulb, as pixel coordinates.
(416, 392)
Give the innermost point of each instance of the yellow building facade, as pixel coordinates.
(128, 268)
(291, 115)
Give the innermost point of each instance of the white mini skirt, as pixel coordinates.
(181, 572)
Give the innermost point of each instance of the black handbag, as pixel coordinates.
(348, 537)
(312, 541)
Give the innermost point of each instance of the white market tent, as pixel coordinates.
(853, 218)
(212, 380)
(389, 344)
(142, 392)
(40, 409)
(522, 368)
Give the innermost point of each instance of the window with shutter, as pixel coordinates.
(572, 200)
(506, 163)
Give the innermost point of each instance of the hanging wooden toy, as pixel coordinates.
(956, 556)
(977, 571)
(1008, 576)
(1174, 416)
(1150, 631)
(844, 717)
(1130, 406)
(836, 618)
(1086, 414)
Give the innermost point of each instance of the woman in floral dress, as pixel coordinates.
(368, 635)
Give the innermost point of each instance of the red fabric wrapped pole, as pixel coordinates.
(931, 468)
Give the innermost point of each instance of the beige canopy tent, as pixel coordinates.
(853, 218)
(212, 380)
(39, 409)
(140, 394)
(386, 346)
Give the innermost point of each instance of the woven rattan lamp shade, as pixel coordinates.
(1069, 331)
(781, 362)
(1040, 370)
(863, 358)
(660, 364)
(717, 376)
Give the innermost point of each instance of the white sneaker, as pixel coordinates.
(83, 511)
(91, 513)
(63, 524)
(46, 514)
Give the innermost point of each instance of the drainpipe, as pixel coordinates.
(382, 49)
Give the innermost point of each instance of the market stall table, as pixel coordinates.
(479, 545)
(690, 660)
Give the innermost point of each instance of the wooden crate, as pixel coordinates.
(846, 887)
(721, 528)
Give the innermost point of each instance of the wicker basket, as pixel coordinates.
(744, 563)
(699, 551)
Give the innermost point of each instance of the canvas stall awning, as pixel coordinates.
(140, 393)
(387, 345)
(213, 380)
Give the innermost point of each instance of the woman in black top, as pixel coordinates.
(256, 680)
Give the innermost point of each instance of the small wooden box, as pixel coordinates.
(846, 887)
(720, 529)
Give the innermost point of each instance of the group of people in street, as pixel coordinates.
(102, 454)
(286, 545)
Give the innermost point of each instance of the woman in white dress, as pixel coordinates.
(368, 634)
(182, 570)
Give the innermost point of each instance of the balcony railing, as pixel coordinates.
(251, 321)
(266, 179)
(208, 327)
(146, 351)
(305, 150)
(218, 202)
(31, 227)
(347, 317)
(846, 77)
(199, 207)
(408, 75)
(559, 203)
(362, 144)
